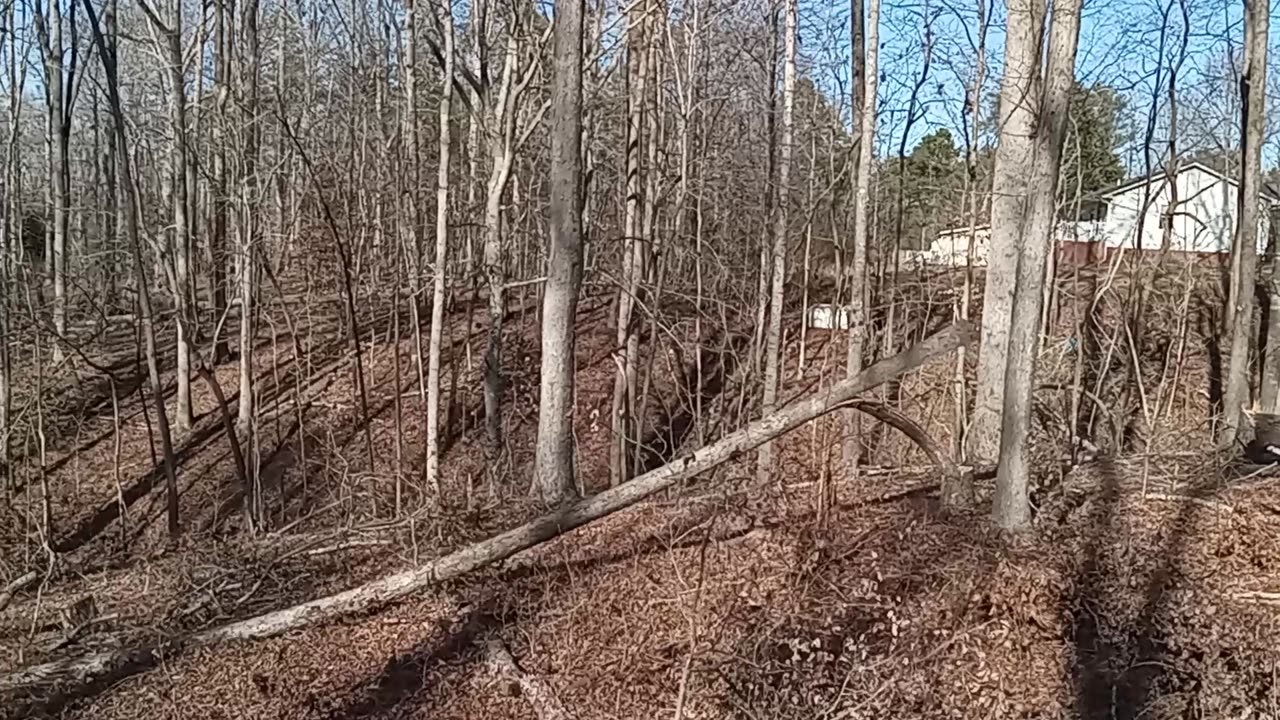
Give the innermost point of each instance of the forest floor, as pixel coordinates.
(1150, 587)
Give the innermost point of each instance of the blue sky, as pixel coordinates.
(1120, 45)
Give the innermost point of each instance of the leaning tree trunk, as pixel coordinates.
(1012, 509)
(555, 468)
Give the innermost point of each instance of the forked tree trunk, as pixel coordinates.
(1246, 246)
(555, 466)
(1009, 199)
(1012, 509)
(781, 217)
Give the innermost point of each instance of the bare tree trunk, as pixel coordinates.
(441, 258)
(58, 91)
(177, 191)
(10, 245)
(1254, 82)
(865, 97)
(555, 465)
(1009, 199)
(107, 56)
(781, 217)
(623, 416)
(218, 236)
(960, 492)
(248, 223)
(1012, 509)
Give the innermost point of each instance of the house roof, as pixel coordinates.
(1268, 192)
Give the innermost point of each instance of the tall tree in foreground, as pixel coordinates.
(564, 265)
(1014, 163)
(1253, 83)
(107, 55)
(441, 255)
(866, 61)
(781, 216)
(1049, 99)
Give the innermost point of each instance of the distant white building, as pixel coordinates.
(1201, 220)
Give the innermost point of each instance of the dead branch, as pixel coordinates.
(545, 703)
(500, 547)
(15, 587)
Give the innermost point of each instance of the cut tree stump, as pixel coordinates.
(387, 589)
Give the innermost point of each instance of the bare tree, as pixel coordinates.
(441, 258)
(555, 466)
(1049, 99)
(865, 109)
(623, 411)
(107, 55)
(1244, 253)
(59, 100)
(1019, 90)
(781, 218)
(170, 45)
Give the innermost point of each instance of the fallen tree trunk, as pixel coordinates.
(392, 587)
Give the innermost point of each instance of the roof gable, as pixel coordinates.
(1160, 175)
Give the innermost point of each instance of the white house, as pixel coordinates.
(1201, 220)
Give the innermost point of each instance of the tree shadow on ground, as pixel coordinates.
(1119, 668)
(401, 685)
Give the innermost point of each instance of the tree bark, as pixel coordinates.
(1012, 509)
(1253, 87)
(623, 416)
(57, 93)
(781, 218)
(398, 585)
(868, 64)
(555, 461)
(1009, 199)
(441, 258)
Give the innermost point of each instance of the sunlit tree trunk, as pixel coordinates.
(1009, 200)
(555, 465)
(1012, 509)
(441, 259)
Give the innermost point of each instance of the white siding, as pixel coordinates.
(1203, 219)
